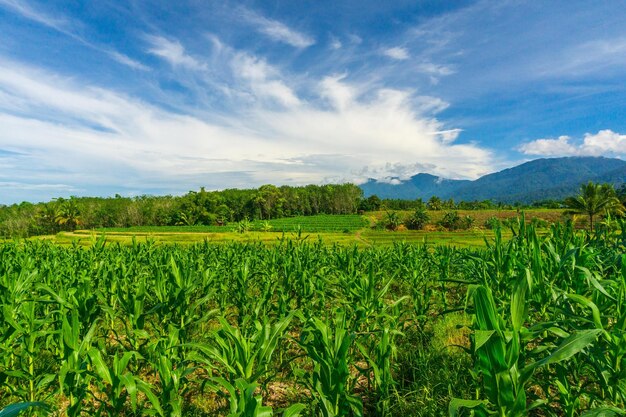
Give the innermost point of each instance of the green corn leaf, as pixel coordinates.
(100, 367)
(131, 388)
(585, 302)
(456, 404)
(481, 337)
(145, 388)
(294, 410)
(518, 305)
(604, 412)
(571, 346)
(15, 409)
(486, 313)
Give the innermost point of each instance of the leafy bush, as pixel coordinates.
(417, 220)
(493, 223)
(391, 221)
(244, 226)
(453, 221)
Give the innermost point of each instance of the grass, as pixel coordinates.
(481, 216)
(365, 237)
(331, 229)
(308, 224)
(459, 238)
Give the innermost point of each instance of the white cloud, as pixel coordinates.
(335, 43)
(25, 10)
(340, 95)
(277, 31)
(397, 52)
(263, 79)
(69, 133)
(126, 60)
(173, 52)
(393, 173)
(549, 147)
(434, 69)
(605, 142)
(587, 57)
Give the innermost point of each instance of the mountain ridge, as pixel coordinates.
(539, 179)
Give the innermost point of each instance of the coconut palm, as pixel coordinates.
(68, 214)
(594, 199)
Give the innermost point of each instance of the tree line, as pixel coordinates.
(194, 208)
(234, 205)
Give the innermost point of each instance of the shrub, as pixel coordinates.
(450, 220)
(417, 220)
(492, 223)
(539, 223)
(391, 220)
(453, 221)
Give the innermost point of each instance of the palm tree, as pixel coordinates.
(68, 214)
(594, 199)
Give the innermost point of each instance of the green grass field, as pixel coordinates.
(308, 224)
(340, 229)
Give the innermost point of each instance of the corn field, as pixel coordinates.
(535, 325)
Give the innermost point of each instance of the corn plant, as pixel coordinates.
(501, 360)
(118, 384)
(244, 403)
(329, 346)
(241, 356)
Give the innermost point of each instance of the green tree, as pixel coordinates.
(68, 215)
(434, 203)
(621, 193)
(371, 203)
(593, 200)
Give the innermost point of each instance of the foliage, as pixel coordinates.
(194, 208)
(493, 223)
(434, 203)
(418, 219)
(593, 200)
(391, 221)
(531, 325)
(451, 220)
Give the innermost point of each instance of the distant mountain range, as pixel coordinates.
(541, 179)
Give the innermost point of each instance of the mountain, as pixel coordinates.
(541, 179)
(418, 186)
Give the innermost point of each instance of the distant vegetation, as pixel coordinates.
(195, 208)
(268, 208)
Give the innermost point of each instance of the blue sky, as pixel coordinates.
(156, 97)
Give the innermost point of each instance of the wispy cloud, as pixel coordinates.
(276, 30)
(173, 52)
(125, 60)
(605, 142)
(335, 43)
(397, 52)
(67, 27)
(25, 10)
